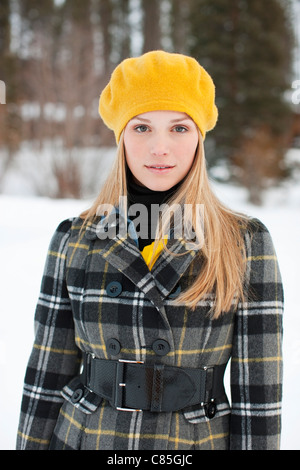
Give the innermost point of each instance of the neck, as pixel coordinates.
(138, 194)
(143, 195)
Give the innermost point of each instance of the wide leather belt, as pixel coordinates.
(135, 386)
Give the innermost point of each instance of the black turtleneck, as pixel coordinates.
(138, 194)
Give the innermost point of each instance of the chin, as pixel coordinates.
(159, 186)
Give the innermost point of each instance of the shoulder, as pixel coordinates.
(62, 234)
(69, 225)
(65, 225)
(254, 229)
(258, 239)
(256, 226)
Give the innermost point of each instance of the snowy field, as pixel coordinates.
(27, 224)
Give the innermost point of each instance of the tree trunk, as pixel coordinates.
(152, 32)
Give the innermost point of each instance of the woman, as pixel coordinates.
(141, 310)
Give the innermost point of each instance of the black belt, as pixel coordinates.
(135, 386)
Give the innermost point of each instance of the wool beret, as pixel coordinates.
(157, 81)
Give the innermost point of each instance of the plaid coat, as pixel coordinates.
(76, 312)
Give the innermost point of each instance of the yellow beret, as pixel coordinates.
(157, 81)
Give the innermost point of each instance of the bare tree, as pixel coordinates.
(152, 31)
(64, 84)
(180, 25)
(10, 137)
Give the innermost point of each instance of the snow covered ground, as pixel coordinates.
(27, 223)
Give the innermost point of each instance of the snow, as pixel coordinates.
(27, 224)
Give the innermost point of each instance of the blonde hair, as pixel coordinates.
(220, 233)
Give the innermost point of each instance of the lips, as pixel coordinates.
(160, 167)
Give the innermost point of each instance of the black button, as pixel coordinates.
(175, 292)
(210, 410)
(161, 347)
(77, 395)
(113, 346)
(114, 289)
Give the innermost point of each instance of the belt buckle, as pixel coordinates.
(120, 384)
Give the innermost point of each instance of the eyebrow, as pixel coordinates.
(172, 121)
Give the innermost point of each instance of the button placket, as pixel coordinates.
(114, 289)
(161, 347)
(113, 346)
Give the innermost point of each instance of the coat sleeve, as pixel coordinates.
(256, 363)
(55, 357)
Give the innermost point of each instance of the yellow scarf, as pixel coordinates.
(149, 255)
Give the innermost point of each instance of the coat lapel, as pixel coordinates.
(170, 266)
(124, 255)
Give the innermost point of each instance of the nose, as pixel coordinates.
(159, 146)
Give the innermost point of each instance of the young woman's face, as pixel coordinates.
(160, 147)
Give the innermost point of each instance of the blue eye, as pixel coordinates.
(142, 128)
(180, 129)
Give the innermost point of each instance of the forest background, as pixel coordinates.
(57, 55)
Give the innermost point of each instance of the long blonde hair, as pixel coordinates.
(222, 244)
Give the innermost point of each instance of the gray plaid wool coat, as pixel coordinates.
(76, 313)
